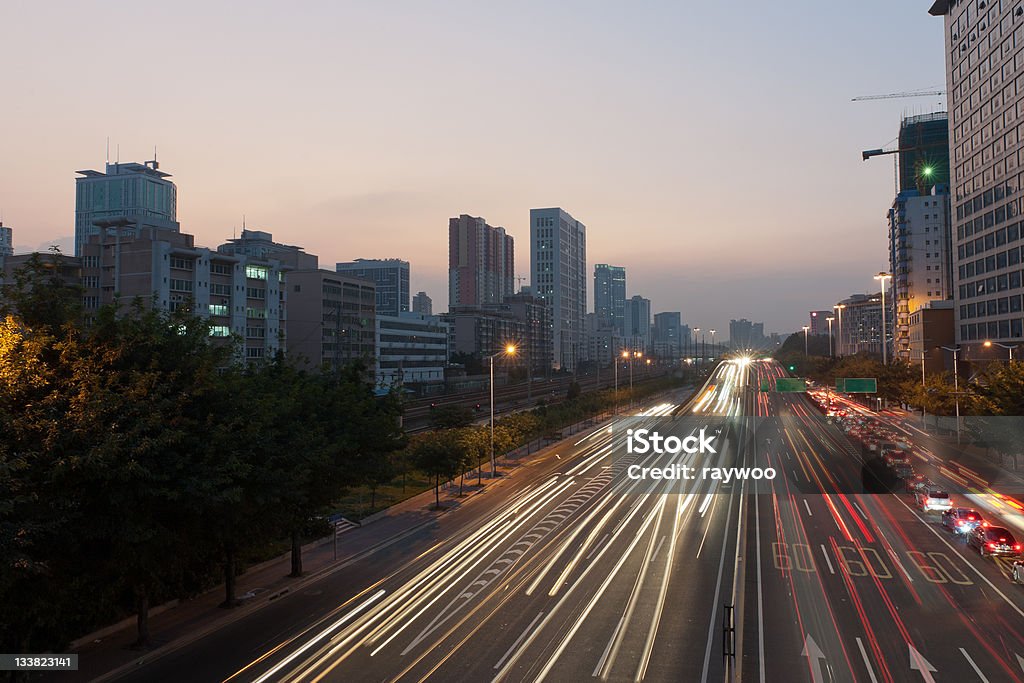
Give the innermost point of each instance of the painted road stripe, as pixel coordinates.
(867, 662)
(974, 666)
(519, 640)
(827, 560)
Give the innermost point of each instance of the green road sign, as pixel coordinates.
(790, 384)
(857, 385)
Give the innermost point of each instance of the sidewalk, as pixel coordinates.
(107, 654)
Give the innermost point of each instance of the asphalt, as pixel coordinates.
(571, 570)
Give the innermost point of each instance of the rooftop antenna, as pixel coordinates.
(108, 150)
(118, 160)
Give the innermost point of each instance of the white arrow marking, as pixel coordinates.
(1020, 661)
(814, 655)
(919, 663)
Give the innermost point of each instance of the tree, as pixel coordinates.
(437, 455)
(451, 416)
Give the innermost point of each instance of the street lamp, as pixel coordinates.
(806, 328)
(956, 387)
(1010, 347)
(883, 277)
(712, 340)
(830, 319)
(509, 350)
(839, 347)
(625, 354)
(695, 331)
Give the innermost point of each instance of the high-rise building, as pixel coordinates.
(422, 304)
(558, 275)
(6, 240)
(481, 263)
(127, 197)
(522, 320)
(924, 161)
(603, 341)
(390, 278)
(258, 244)
(920, 258)
(637, 333)
(819, 322)
(331, 319)
(744, 334)
(983, 65)
(610, 294)
(668, 342)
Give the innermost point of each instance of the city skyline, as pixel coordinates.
(336, 173)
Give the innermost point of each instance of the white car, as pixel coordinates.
(934, 499)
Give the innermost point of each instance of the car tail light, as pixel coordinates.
(959, 522)
(992, 545)
(1017, 546)
(984, 523)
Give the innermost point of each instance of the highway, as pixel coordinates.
(585, 566)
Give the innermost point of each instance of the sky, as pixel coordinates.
(710, 148)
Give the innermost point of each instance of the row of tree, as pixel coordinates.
(139, 463)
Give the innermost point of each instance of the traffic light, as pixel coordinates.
(792, 368)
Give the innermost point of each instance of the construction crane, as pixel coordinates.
(899, 95)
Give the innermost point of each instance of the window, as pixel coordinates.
(219, 309)
(256, 313)
(220, 331)
(255, 332)
(256, 272)
(219, 289)
(256, 292)
(181, 285)
(180, 263)
(254, 352)
(220, 268)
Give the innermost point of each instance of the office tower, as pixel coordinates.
(920, 259)
(422, 304)
(610, 294)
(819, 322)
(637, 333)
(668, 342)
(985, 111)
(861, 330)
(558, 272)
(390, 278)
(6, 240)
(411, 350)
(924, 159)
(481, 263)
(126, 197)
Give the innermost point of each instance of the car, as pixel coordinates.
(962, 520)
(993, 540)
(933, 499)
(1017, 572)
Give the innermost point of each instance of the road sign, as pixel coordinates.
(790, 384)
(857, 385)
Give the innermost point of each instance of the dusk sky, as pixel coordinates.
(710, 148)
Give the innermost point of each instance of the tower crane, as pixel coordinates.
(899, 95)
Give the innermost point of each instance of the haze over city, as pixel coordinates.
(357, 130)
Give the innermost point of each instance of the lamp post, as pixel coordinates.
(806, 329)
(829, 320)
(695, 331)
(839, 346)
(1008, 347)
(885, 344)
(712, 340)
(625, 354)
(510, 350)
(956, 387)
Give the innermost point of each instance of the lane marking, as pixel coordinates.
(596, 546)
(867, 662)
(811, 514)
(974, 666)
(828, 561)
(519, 640)
(657, 548)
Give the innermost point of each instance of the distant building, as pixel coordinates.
(390, 278)
(558, 266)
(422, 304)
(70, 267)
(6, 240)
(127, 196)
(481, 263)
(920, 256)
(535, 316)
(667, 332)
(331, 319)
(603, 341)
(819, 322)
(483, 331)
(239, 295)
(925, 161)
(861, 328)
(637, 332)
(610, 294)
(411, 349)
(744, 334)
(258, 244)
